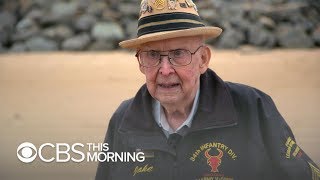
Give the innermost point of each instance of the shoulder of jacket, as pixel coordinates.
(119, 113)
(123, 106)
(246, 96)
(245, 91)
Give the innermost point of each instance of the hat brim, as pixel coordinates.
(206, 32)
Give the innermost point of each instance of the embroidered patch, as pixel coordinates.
(147, 153)
(159, 4)
(216, 145)
(213, 161)
(213, 154)
(149, 9)
(292, 149)
(190, 3)
(315, 172)
(145, 169)
(143, 6)
(172, 4)
(183, 5)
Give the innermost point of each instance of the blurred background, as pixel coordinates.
(62, 74)
(98, 25)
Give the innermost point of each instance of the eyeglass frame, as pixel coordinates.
(169, 59)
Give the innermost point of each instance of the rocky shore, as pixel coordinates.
(97, 25)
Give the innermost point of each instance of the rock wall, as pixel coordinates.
(74, 25)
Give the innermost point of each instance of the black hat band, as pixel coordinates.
(168, 22)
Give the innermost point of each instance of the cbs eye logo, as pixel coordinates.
(25, 154)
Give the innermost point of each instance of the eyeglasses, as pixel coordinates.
(177, 57)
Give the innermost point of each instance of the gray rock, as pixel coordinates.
(267, 22)
(217, 3)
(101, 46)
(24, 24)
(107, 31)
(303, 22)
(96, 8)
(41, 44)
(274, 1)
(231, 11)
(24, 7)
(231, 38)
(85, 22)
(4, 35)
(257, 9)
(131, 26)
(293, 37)
(59, 32)
(240, 23)
(2, 49)
(35, 14)
(259, 36)
(25, 29)
(78, 42)
(9, 5)
(209, 15)
(7, 20)
(129, 9)
(109, 15)
(25, 34)
(45, 4)
(63, 12)
(316, 35)
(18, 47)
(285, 12)
(84, 4)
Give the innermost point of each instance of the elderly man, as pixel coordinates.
(188, 122)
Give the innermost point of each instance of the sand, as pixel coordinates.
(69, 97)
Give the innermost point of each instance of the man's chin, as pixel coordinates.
(168, 100)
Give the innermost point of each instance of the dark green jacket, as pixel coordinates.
(236, 133)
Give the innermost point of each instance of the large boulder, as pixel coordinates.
(286, 12)
(25, 29)
(101, 46)
(76, 43)
(43, 4)
(63, 12)
(35, 14)
(96, 8)
(18, 47)
(41, 44)
(129, 9)
(85, 22)
(130, 27)
(2, 49)
(7, 24)
(59, 32)
(259, 36)
(107, 31)
(5, 35)
(316, 35)
(7, 20)
(293, 37)
(231, 38)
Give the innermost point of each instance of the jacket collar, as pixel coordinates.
(216, 108)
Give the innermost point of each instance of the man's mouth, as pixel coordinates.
(171, 85)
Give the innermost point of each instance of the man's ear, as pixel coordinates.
(205, 59)
(142, 69)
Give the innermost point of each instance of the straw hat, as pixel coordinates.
(165, 19)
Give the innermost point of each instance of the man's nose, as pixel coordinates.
(165, 66)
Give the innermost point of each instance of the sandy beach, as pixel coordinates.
(69, 97)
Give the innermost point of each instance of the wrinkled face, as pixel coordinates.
(171, 84)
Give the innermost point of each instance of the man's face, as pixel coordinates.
(172, 85)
